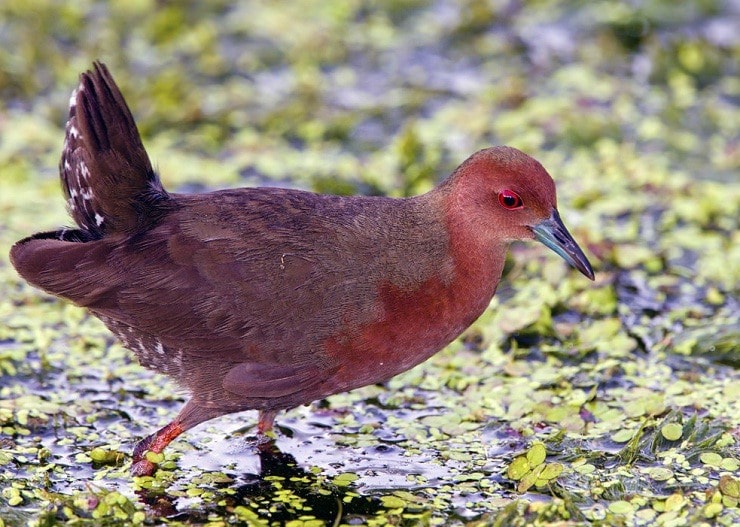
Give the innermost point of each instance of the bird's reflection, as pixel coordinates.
(281, 491)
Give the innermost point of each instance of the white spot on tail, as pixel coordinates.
(142, 349)
(177, 362)
(84, 170)
(73, 99)
(123, 339)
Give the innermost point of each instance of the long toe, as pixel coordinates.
(143, 467)
(153, 443)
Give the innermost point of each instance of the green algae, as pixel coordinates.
(628, 386)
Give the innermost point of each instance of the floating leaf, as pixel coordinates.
(711, 458)
(344, 480)
(551, 471)
(712, 510)
(729, 486)
(672, 431)
(621, 507)
(104, 456)
(392, 502)
(154, 457)
(622, 436)
(536, 454)
(660, 473)
(675, 502)
(529, 479)
(518, 468)
(586, 468)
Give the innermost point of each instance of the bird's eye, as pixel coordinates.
(510, 200)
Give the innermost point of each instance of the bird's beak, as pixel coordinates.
(553, 234)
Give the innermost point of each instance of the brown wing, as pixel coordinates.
(254, 280)
(250, 281)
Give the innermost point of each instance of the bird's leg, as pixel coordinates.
(154, 443)
(266, 421)
(265, 435)
(190, 415)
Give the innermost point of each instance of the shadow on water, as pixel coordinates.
(300, 475)
(280, 490)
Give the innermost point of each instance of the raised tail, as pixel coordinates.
(111, 189)
(106, 174)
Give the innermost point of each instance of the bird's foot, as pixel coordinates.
(142, 465)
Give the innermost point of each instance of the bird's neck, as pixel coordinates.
(478, 265)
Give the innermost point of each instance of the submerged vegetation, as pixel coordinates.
(569, 402)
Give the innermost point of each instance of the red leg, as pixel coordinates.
(190, 415)
(266, 421)
(265, 437)
(153, 443)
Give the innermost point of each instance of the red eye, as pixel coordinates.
(510, 200)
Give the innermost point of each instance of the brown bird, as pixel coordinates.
(265, 298)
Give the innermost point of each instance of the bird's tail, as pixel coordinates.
(111, 189)
(106, 175)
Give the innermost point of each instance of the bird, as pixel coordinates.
(267, 298)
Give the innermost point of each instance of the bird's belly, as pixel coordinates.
(414, 325)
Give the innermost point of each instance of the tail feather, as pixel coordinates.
(106, 174)
(57, 263)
